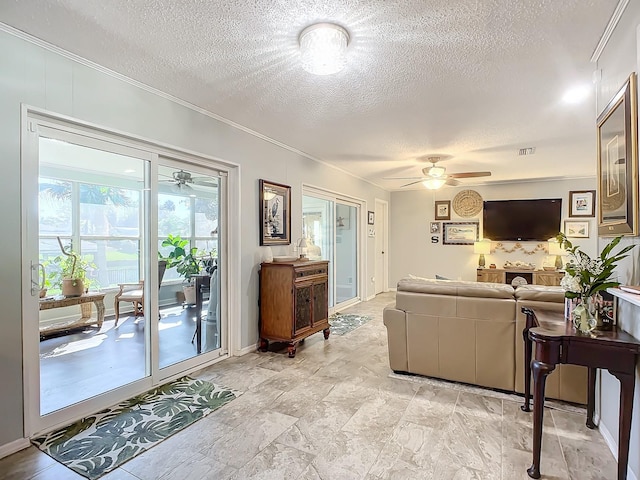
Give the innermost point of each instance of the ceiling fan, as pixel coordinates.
(182, 179)
(435, 176)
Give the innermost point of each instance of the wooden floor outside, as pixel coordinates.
(90, 361)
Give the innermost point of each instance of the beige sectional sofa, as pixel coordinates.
(471, 332)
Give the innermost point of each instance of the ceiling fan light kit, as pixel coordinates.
(323, 48)
(434, 183)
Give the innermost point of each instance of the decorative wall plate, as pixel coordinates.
(467, 203)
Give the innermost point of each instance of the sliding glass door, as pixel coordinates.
(346, 252)
(331, 226)
(114, 237)
(91, 199)
(188, 225)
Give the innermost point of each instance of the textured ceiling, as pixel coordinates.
(471, 80)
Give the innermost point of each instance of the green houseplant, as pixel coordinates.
(184, 260)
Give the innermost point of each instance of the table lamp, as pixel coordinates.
(302, 248)
(556, 249)
(482, 248)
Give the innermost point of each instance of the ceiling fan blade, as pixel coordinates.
(452, 182)
(469, 174)
(204, 181)
(412, 183)
(401, 178)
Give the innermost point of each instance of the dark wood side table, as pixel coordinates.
(556, 341)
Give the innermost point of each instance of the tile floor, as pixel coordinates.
(333, 413)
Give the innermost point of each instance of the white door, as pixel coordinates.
(381, 242)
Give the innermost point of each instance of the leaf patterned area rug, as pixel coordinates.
(99, 443)
(342, 323)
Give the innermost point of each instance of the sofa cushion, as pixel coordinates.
(455, 287)
(540, 293)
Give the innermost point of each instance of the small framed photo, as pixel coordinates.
(275, 213)
(434, 227)
(460, 233)
(443, 210)
(371, 216)
(582, 203)
(576, 229)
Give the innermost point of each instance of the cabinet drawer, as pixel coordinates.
(310, 272)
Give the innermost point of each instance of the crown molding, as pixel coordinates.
(608, 31)
(88, 63)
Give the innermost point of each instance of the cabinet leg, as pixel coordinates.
(264, 345)
(326, 333)
(292, 350)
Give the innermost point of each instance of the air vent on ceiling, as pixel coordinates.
(527, 151)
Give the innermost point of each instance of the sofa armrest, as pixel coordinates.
(396, 323)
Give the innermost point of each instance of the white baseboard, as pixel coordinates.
(13, 447)
(613, 446)
(370, 297)
(245, 350)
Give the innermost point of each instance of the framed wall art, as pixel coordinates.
(275, 213)
(582, 203)
(371, 217)
(576, 229)
(443, 210)
(460, 233)
(434, 227)
(618, 163)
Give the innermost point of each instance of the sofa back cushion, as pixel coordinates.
(455, 287)
(540, 293)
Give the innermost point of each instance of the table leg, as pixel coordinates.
(527, 369)
(540, 372)
(99, 311)
(591, 397)
(198, 309)
(627, 385)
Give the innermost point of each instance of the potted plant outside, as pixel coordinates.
(69, 273)
(185, 262)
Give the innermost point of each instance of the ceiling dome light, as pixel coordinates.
(323, 48)
(434, 183)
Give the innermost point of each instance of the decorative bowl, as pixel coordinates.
(549, 268)
(284, 258)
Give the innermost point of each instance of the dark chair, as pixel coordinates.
(134, 293)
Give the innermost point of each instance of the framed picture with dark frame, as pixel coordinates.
(582, 203)
(618, 163)
(460, 233)
(443, 210)
(275, 213)
(371, 216)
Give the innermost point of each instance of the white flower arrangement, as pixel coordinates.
(585, 276)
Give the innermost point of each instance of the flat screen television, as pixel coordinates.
(521, 220)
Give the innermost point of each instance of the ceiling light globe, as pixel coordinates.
(434, 183)
(323, 48)
(436, 171)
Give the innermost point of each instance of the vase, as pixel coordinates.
(583, 315)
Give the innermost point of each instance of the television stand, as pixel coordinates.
(531, 277)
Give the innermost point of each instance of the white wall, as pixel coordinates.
(411, 250)
(46, 79)
(617, 61)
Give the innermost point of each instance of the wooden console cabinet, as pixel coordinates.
(294, 302)
(532, 277)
